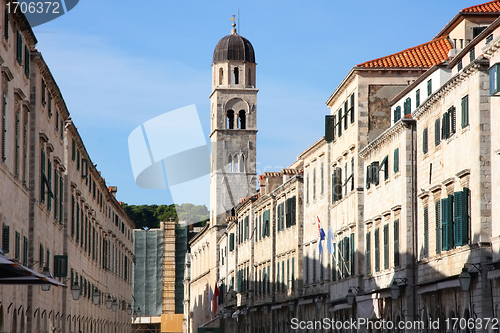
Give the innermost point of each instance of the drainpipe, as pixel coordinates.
(411, 124)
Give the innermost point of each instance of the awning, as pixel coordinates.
(11, 272)
(494, 274)
(340, 306)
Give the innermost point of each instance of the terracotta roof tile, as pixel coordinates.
(488, 7)
(424, 55)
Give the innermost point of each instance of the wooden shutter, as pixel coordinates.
(396, 243)
(26, 61)
(339, 260)
(375, 170)
(368, 264)
(437, 132)
(417, 98)
(329, 128)
(351, 259)
(426, 232)
(453, 120)
(19, 48)
(407, 106)
(347, 249)
(465, 111)
(429, 87)
(438, 227)
(461, 217)
(6, 24)
(339, 122)
(6, 239)
(396, 160)
(346, 114)
(60, 266)
(377, 250)
(368, 175)
(352, 108)
(293, 272)
(424, 141)
(334, 265)
(446, 225)
(386, 246)
(231, 241)
(25, 251)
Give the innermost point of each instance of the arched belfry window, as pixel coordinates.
(242, 122)
(235, 163)
(249, 77)
(242, 163)
(236, 72)
(230, 163)
(221, 75)
(230, 119)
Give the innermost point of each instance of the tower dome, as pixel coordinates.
(234, 47)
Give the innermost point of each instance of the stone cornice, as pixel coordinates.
(383, 138)
(491, 48)
(473, 67)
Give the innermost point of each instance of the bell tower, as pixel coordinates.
(233, 133)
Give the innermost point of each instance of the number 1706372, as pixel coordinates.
(47, 7)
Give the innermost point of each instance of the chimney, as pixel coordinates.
(113, 190)
(262, 184)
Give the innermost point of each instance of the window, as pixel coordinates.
(16, 146)
(397, 113)
(17, 249)
(25, 251)
(314, 184)
(249, 77)
(242, 119)
(337, 184)
(26, 61)
(489, 39)
(396, 243)
(346, 114)
(49, 184)
(459, 65)
(236, 73)
(322, 179)
(78, 160)
(290, 211)
(438, 226)
(476, 31)
(368, 176)
(407, 106)
(60, 266)
(437, 131)
(19, 48)
(4, 126)
(429, 88)
(465, 111)
(307, 188)
(25, 148)
(329, 128)
(425, 148)
(447, 223)
(461, 217)
(396, 160)
(417, 98)
(221, 75)
(230, 119)
(472, 55)
(426, 233)
(340, 260)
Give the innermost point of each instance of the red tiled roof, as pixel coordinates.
(489, 7)
(424, 55)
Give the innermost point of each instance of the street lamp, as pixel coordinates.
(75, 291)
(46, 272)
(114, 305)
(464, 278)
(350, 297)
(138, 312)
(394, 290)
(108, 302)
(129, 310)
(96, 296)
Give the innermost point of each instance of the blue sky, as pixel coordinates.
(121, 63)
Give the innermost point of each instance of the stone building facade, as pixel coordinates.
(403, 187)
(56, 211)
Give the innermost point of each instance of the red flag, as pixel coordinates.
(216, 294)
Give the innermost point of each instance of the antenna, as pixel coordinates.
(239, 21)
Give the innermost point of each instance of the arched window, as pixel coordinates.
(230, 164)
(221, 75)
(249, 77)
(242, 120)
(236, 163)
(230, 119)
(236, 72)
(242, 163)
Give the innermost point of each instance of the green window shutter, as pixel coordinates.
(426, 232)
(385, 164)
(268, 222)
(417, 98)
(368, 175)
(6, 25)
(56, 194)
(16, 146)
(351, 259)
(346, 265)
(17, 249)
(396, 160)
(438, 227)
(6, 239)
(25, 251)
(329, 128)
(346, 115)
(397, 114)
(424, 141)
(445, 217)
(334, 265)
(386, 246)
(19, 48)
(453, 120)
(288, 215)
(61, 201)
(339, 123)
(368, 263)
(278, 217)
(4, 126)
(49, 184)
(42, 176)
(26, 61)
(293, 272)
(437, 132)
(377, 250)
(287, 273)
(231, 241)
(461, 217)
(429, 87)
(375, 173)
(465, 111)
(339, 260)
(60, 266)
(352, 108)
(407, 106)
(396, 243)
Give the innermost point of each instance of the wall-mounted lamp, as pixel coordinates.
(129, 310)
(351, 296)
(96, 296)
(46, 272)
(109, 302)
(397, 283)
(464, 278)
(114, 305)
(75, 291)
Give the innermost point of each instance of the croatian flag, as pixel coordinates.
(321, 234)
